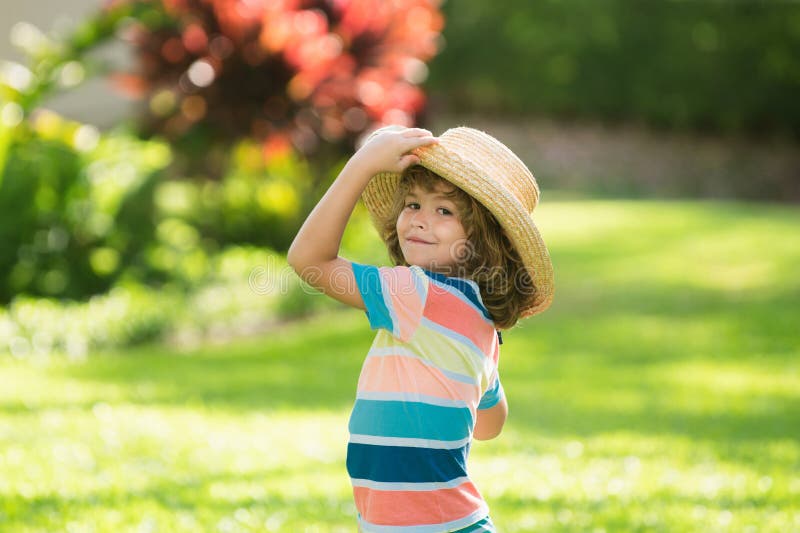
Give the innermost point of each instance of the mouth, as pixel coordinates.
(415, 240)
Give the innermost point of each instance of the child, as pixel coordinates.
(454, 212)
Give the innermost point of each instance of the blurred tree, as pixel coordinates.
(308, 75)
(72, 201)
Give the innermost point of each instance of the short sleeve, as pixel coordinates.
(493, 394)
(394, 297)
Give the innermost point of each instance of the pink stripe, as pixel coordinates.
(457, 315)
(496, 353)
(398, 284)
(398, 373)
(412, 508)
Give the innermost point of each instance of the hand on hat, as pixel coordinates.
(390, 149)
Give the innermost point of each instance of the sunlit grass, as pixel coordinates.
(661, 392)
(179, 442)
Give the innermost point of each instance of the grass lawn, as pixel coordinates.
(661, 392)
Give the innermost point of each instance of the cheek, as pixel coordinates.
(456, 231)
(459, 242)
(401, 222)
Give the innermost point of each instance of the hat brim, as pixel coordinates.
(378, 197)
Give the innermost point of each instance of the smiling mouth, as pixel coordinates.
(417, 241)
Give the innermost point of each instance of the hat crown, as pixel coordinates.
(494, 161)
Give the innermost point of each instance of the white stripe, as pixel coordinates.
(410, 397)
(412, 487)
(421, 281)
(477, 516)
(409, 442)
(405, 352)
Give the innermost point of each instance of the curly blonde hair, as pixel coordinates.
(490, 260)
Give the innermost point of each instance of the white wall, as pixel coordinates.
(94, 101)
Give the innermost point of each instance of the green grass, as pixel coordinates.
(661, 392)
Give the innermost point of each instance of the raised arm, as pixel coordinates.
(314, 253)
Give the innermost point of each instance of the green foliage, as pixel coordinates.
(702, 65)
(73, 207)
(300, 301)
(256, 202)
(659, 393)
(82, 211)
(35, 328)
(242, 290)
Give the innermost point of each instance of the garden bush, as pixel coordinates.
(259, 102)
(245, 290)
(75, 207)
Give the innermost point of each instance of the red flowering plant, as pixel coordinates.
(302, 74)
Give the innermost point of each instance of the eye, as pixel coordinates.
(444, 211)
(412, 205)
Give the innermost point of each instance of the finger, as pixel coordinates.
(385, 130)
(417, 132)
(406, 161)
(416, 142)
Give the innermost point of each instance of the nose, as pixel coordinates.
(419, 219)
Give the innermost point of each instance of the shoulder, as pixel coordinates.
(392, 282)
(455, 309)
(464, 290)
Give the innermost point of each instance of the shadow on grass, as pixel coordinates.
(658, 359)
(771, 419)
(658, 322)
(311, 365)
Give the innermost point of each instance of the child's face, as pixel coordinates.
(429, 229)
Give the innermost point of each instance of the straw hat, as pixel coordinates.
(488, 171)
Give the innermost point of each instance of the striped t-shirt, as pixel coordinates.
(432, 365)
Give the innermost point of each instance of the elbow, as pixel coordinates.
(292, 255)
(491, 421)
(300, 268)
(305, 267)
(296, 259)
(488, 433)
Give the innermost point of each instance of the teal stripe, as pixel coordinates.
(368, 281)
(388, 303)
(413, 420)
(492, 396)
(484, 525)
